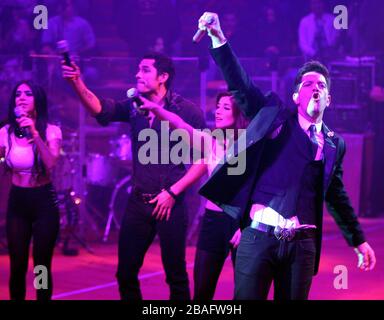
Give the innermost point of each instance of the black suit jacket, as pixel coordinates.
(233, 192)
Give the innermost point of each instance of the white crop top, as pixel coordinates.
(214, 159)
(21, 157)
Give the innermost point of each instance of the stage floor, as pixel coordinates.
(91, 276)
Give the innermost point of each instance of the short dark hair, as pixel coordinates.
(163, 64)
(312, 66)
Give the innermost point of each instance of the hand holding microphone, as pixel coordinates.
(26, 126)
(137, 101)
(209, 23)
(202, 29)
(63, 48)
(70, 73)
(70, 70)
(142, 104)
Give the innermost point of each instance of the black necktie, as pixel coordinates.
(314, 142)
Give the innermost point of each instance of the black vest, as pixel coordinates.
(289, 179)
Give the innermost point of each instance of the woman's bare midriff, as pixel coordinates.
(27, 181)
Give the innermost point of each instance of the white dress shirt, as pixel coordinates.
(307, 32)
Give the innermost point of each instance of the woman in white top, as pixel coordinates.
(220, 233)
(31, 148)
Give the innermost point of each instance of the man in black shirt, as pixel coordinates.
(142, 219)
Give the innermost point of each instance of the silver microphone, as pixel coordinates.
(133, 94)
(201, 33)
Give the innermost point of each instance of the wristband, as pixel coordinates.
(172, 194)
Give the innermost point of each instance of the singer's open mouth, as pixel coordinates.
(316, 96)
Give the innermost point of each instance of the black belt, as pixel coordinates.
(285, 234)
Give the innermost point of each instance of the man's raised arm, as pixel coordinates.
(248, 97)
(87, 97)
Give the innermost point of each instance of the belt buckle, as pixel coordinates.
(147, 197)
(285, 234)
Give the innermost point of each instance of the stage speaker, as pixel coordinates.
(344, 91)
(344, 72)
(358, 164)
(347, 118)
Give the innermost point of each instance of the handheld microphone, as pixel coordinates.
(134, 95)
(21, 132)
(63, 49)
(200, 33)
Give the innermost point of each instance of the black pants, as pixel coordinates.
(32, 213)
(262, 258)
(213, 247)
(138, 229)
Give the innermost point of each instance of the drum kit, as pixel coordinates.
(103, 170)
(110, 172)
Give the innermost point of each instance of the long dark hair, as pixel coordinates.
(241, 121)
(41, 110)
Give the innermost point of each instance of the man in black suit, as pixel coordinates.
(293, 165)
